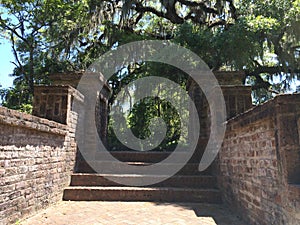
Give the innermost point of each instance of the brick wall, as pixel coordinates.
(259, 163)
(237, 98)
(54, 102)
(87, 80)
(37, 157)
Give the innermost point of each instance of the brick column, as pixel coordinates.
(237, 99)
(55, 102)
(101, 108)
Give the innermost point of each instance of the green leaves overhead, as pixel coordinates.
(261, 37)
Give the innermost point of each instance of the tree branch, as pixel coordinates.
(272, 70)
(218, 23)
(14, 31)
(15, 52)
(199, 4)
(141, 9)
(232, 9)
(170, 14)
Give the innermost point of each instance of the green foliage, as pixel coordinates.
(263, 41)
(140, 119)
(26, 108)
(142, 114)
(16, 97)
(233, 47)
(57, 36)
(260, 37)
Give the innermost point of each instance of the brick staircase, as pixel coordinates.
(188, 185)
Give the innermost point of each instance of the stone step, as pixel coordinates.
(115, 168)
(165, 194)
(149, 157)
(104, 180)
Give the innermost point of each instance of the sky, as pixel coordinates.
(6, 67)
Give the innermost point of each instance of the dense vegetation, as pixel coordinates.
(260, 37)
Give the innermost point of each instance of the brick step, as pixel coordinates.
(149, 157)
(111, 167)
(166, 194)
(175, 181)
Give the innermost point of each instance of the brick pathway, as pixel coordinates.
(141, 213)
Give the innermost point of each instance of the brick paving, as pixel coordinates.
(141, 213)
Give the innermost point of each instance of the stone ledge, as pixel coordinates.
(230, 77)
(73, 78)
(15, 118)
(264, 110)
(67, 88)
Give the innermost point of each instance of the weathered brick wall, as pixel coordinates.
(89, 82)
(37, 157)
(259, 163)
(54, 102)
(237, 98)
(87, 79)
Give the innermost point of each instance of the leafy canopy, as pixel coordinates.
(260, 37)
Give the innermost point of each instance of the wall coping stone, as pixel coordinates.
(71, 90)
(230, 77)
(24, 120)
(263, 110)
(73, 78)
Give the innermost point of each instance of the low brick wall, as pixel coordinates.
(37, 157)
(259, 163)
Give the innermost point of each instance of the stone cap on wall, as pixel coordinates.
(225, 78)
(54, 102)
(266, 109)
(73, 78)
(19, 119)
(230, 77)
